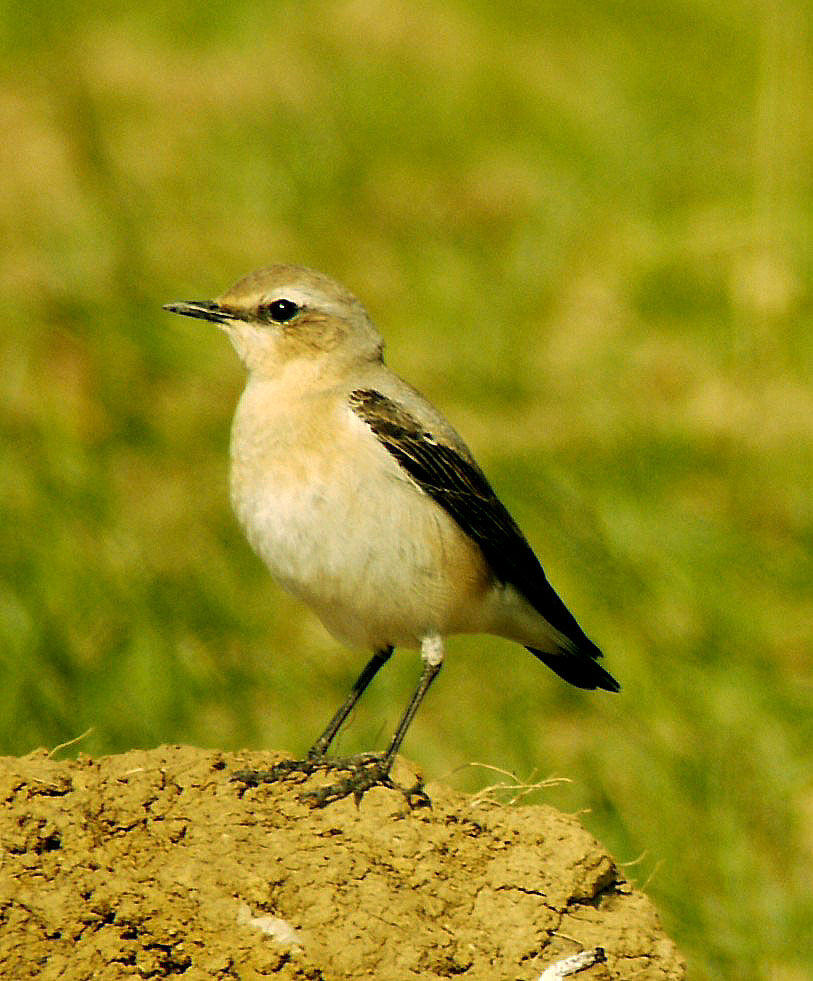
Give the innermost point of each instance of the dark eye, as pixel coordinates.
(281, 311)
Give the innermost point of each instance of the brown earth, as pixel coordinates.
(153, 864)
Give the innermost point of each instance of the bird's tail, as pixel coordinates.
(581, 670)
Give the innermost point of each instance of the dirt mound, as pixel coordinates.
(152, 864)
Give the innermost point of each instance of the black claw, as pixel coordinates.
(279, 771)
(365, 771)
(364, 775)
(416, 796)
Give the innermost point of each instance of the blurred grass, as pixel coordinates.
(585, 232)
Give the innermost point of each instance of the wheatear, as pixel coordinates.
(366, 504)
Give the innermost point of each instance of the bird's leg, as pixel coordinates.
(366, 769)
(373, 666)
(370, 769)
(316, 754)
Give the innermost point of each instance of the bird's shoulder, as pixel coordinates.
(420, 439)
(388, 402)
(439, 462)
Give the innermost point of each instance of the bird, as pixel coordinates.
(366, 505)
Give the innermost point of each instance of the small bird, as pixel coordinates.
(365, 504)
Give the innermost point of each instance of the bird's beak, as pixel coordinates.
(203, 310)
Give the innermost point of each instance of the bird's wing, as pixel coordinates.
(456, 483)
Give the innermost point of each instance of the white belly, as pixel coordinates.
(343, 528)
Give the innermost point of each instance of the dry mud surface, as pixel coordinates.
(152, 864)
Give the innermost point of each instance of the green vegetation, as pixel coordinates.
(584, 231)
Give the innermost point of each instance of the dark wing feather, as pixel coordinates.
(458, 485)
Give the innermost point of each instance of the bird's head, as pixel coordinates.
(281, 314)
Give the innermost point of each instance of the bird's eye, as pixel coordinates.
(280, 311)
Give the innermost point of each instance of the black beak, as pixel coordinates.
(203, 310)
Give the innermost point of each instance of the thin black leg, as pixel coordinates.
(369, 769)
(366, 769)
(430, 672)
(374, 665)
(316, 754)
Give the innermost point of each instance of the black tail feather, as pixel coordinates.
(582, 671)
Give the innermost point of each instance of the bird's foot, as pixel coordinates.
(366, 770)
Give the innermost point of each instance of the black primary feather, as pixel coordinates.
(458, 485)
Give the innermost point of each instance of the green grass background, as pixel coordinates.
(584, 229)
